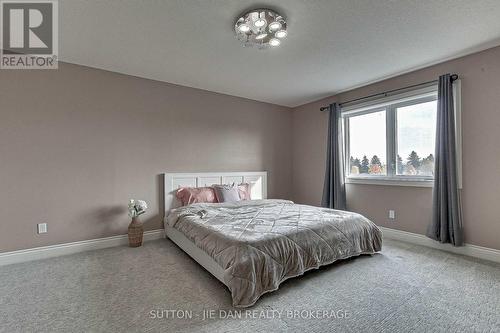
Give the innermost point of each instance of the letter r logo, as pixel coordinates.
(27, 27)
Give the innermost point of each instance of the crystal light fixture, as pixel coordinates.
(281, 34)
(261, 36)
(261, 27)
(273, 26)
(274, 42)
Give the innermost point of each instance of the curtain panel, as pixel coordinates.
(446, 225)
(334, 195)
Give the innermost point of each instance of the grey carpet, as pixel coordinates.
(406, 288)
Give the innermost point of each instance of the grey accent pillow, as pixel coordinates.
(227, 193)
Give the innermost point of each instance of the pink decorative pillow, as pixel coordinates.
(189, 195)
(244, 191)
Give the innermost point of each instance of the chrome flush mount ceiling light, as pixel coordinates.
(261, 27)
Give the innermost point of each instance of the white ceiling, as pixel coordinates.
(332, 45)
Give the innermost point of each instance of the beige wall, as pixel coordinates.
(480, 74)
(77, 143)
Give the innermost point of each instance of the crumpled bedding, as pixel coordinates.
(261, 243)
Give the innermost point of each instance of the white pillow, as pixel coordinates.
(227, 193)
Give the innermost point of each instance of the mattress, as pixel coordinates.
(260, 243)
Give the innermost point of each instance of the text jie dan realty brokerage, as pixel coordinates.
(249, 314)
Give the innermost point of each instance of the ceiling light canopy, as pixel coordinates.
(261, 27)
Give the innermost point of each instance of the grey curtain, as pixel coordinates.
(334, 187)
(446, 225)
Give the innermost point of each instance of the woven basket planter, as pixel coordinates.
(135, 232)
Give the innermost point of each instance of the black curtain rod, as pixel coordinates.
(385, 93)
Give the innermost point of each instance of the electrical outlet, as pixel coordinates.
(392, 214)
(42, 228)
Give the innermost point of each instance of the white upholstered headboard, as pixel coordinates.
(172, 181)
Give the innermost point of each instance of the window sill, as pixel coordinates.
(390, 181)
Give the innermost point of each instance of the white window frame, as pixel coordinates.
(390, 105)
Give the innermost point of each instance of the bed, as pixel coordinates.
(252, 246)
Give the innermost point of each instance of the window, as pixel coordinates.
(392, 139)
(368, 143)
(416, 138)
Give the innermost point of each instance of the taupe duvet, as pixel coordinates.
(261, 243)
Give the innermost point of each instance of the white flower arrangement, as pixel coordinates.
(136, 207)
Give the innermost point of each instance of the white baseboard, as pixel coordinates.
(50, 251)
(466, 250)
(44, 252)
